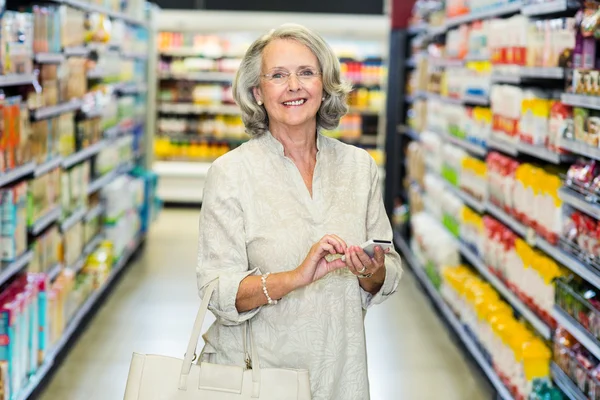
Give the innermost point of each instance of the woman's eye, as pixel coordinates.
(307, 72)
(277, 75)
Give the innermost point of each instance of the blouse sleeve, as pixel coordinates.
(379, 227)
(222, 245)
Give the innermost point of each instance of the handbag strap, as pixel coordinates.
(196, 331)
(188, 359)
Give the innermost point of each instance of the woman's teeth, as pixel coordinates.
(295, 102)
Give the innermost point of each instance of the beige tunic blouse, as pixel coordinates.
(258, 216)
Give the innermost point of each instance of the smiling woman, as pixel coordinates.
(275, 207)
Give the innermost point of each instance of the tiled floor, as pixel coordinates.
(151, 310)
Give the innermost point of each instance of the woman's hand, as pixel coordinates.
(371, 271)
(315, 266)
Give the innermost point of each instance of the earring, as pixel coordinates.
(323, 98)
(259, 103)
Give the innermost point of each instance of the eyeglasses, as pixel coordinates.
(305, 75)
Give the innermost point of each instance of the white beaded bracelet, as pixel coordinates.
(264, 287)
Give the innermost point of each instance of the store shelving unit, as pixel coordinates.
(540, 326)
(491, 12)
(565, 384)
(81, 109)
(83, 154)
(11, 269)
(451, 318)
(76, 323)
(546, 77)
(578, 331)
(50, 217)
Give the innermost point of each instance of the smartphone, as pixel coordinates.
(369, 247)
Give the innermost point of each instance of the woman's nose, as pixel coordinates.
(293, 82)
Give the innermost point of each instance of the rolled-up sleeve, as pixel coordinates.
(379, 227)
(222, 244)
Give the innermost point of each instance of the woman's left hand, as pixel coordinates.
(371, 271)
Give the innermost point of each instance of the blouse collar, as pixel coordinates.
(275, 145)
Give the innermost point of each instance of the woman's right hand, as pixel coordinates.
(315, 266)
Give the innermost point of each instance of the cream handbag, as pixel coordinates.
(153, 377)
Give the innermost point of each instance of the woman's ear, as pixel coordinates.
(257, 95)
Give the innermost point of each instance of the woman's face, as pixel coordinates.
(293, 103)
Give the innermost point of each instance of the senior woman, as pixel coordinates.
(275, 207)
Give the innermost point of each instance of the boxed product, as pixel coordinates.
(43, 195)
(72, 27)
(46, 250)
(72, 244)
(16, 43)
(13, 221)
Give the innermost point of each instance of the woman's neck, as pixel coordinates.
(300, 144)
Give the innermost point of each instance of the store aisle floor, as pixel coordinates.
(151, 310)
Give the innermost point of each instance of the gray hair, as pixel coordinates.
(336, 91)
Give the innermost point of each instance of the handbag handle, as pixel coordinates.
(193, 343)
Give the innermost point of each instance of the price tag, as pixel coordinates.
(531, 237)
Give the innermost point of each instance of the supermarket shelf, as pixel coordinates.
(93, 244)
(453, 321)
(506, 9)
(94, 212)
(72, 219)
(134, 55)
(465, 144)
(75, 323)
(466, 99)
(581, 149)
(524, 73)
(49, 58)
(54, 111)
(208, 76)
(79, 51)
(505, 77)
(557, 254)
(548, 8)
(436, 30)
(17, 80)
(568, 387)
(469, 200)
(46, 220)
(92, 8)
(132, 88)
(191, 108)
(48, 166)
(579, 332)
(11, 269)
(579, 202)
(83, 154)
(477, 57)
(180, 52)
(543, 153)
(506, 219)
(113, 132)
(445, 99)
(540, 326)
(478, 100)
(418, 28)
(503, 146)
(54, 271)
(581, 100)
(108, 177)
(16, 174)
(97, 73)
(87, 250)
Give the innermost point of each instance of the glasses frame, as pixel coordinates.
(269, 77)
